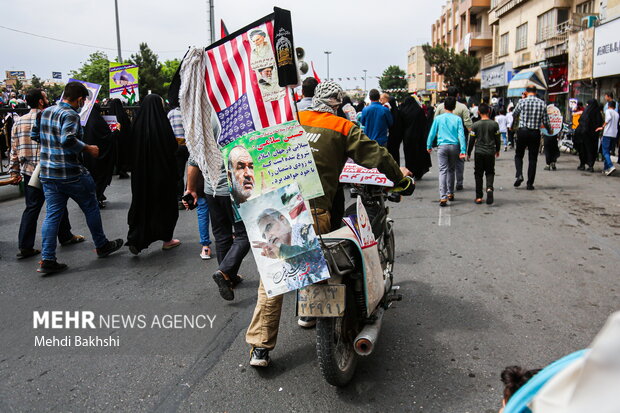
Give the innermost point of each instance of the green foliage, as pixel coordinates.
(55, 91)
(394, 78)
(150, 73)
(168, 69)
(36, 82)
(18, 85)
(95, 70)
(458, 69)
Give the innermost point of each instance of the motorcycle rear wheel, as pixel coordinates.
(334, 345)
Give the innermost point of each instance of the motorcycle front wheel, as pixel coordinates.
(334, 344)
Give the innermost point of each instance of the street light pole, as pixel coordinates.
(118, 33)
(212, 21)
(327, 53)
(364, 79)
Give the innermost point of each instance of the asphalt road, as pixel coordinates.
(524, 281)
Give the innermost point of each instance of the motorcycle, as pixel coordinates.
(350, 307)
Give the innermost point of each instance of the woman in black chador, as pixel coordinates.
(154, 211)
(124, 141)
(415, 131)
(97, 132)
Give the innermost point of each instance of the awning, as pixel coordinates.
(521, 80)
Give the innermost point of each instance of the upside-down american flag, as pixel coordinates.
(242, 83)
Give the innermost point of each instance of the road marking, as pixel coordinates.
(445, 218)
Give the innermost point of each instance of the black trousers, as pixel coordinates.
(527, 139)
(393, 146)
(552, 151)
(182, 155)
(484, 165)
(231, 239)
(35, 199)
(511, 137)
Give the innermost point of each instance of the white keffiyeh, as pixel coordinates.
(327, 95)
(196, 112)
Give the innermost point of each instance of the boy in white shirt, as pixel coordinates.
(610, 132)
(502, 121)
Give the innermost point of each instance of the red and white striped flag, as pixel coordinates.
(241, 79)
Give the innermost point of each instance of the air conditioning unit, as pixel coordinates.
(588, 21)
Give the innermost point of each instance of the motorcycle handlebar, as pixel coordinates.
(405, 187)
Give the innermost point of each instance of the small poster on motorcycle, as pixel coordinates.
(367, 237)
(352, 173)
(271, 158)
(93, 91)
(286, 249)
(556, 120)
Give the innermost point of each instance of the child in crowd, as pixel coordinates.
(485, 137)
(502, 121)
(448, 134)
(610, 132)
(514, 377)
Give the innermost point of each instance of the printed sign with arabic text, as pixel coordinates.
(271, 158)
(352, 173)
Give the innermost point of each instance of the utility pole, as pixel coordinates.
(327, 53)
(118, 33)
(364, 79)
(211, 21)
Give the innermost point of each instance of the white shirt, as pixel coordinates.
(611, 123)
(509, 119)
(502, 122)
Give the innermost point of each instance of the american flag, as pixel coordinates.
(233, 89)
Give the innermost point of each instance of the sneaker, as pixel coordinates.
(450, 197)
(443, 202)
(548, 168)
(553, 167)
(51, 267)
(224, 285)
(505, 148)
(259, 357)
(489, 196)
(478, 201)
(581, 168)
(205, 253)
(306, 322)
(27, 253)
(459, 187)
(109, 248)
(610, 171)
(518, 182)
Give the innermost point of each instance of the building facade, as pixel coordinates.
(418, 70)
(463, 26)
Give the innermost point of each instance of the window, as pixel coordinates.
(587, 7)
(503, 44)
(521, 38)
(548, 23)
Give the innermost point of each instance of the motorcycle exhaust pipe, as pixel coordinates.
(365, 341)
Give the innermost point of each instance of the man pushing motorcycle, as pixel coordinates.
(333, 140)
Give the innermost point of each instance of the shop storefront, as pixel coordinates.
(494, 80)
(606, 62)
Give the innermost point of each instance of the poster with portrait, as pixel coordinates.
(93, 91)
(124, 83)
(271, 158)
(286, 249)
(263, 62)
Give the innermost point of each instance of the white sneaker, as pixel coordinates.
(610, 171)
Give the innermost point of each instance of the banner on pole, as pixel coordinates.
(124, 83)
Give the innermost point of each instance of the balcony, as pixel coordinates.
(474, 6)
(554, 39)
(488, 60)
(507, 6)
(477, 41)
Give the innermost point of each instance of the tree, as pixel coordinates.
(95, 70)
(458, 69)
(36, 82)
(18, 85)
(168, 69)
(150, 74)
(394, 78)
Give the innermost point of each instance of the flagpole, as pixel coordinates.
(118, 33)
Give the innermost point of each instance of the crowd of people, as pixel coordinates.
(49, 144)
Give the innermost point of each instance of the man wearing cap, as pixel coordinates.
(532, 112)
(334, 140)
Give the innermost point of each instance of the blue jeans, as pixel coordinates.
(505, 138)
(57, 192)
(202, 210)
(607, 145)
